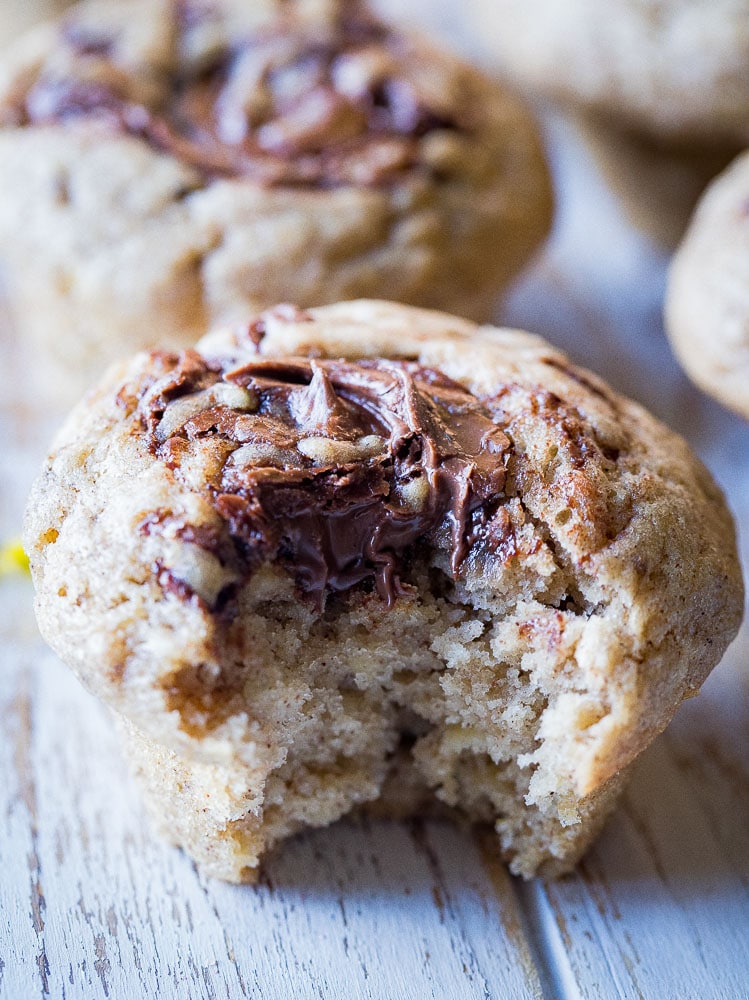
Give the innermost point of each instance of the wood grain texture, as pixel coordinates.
(100, 908)
(92, 905)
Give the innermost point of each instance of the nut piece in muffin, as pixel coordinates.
(171, 164)
(368, 551)
(707, 301)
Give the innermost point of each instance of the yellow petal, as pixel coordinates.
(13, 559)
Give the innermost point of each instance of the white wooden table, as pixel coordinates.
(92, 905)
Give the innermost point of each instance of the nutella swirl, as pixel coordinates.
(321, 102)
(334, 470)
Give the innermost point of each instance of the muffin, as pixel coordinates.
(369, 553)
(670, 68)
(659, 88)
(707, 300)
(167, 165)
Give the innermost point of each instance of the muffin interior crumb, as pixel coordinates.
(435, 701)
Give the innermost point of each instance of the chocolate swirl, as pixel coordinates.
(322, 103)
(334, 470)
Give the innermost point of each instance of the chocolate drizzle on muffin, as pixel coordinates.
(335, 469)
(300, 101)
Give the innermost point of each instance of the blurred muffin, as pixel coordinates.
(673, 68)
(657, 181)
(659, 87)
(173, 163)
(707, 301)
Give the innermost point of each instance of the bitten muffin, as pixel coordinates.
(707, 301)
(368, 550)
(168, 164)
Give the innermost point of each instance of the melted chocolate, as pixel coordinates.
(291, 105)
(337, 470)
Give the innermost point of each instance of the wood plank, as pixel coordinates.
(96, 906)
(660, 907)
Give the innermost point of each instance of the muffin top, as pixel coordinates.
(343, 463)
(314, 94)
(332, 468)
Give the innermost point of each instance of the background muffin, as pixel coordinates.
(707, 303)
(671, 68)
(178, 163)
(657, 180)
(657, 88)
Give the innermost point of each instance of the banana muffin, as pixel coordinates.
(658, 88)
(369, 551)
(673, 68)
(707, 300)
(170, 164)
